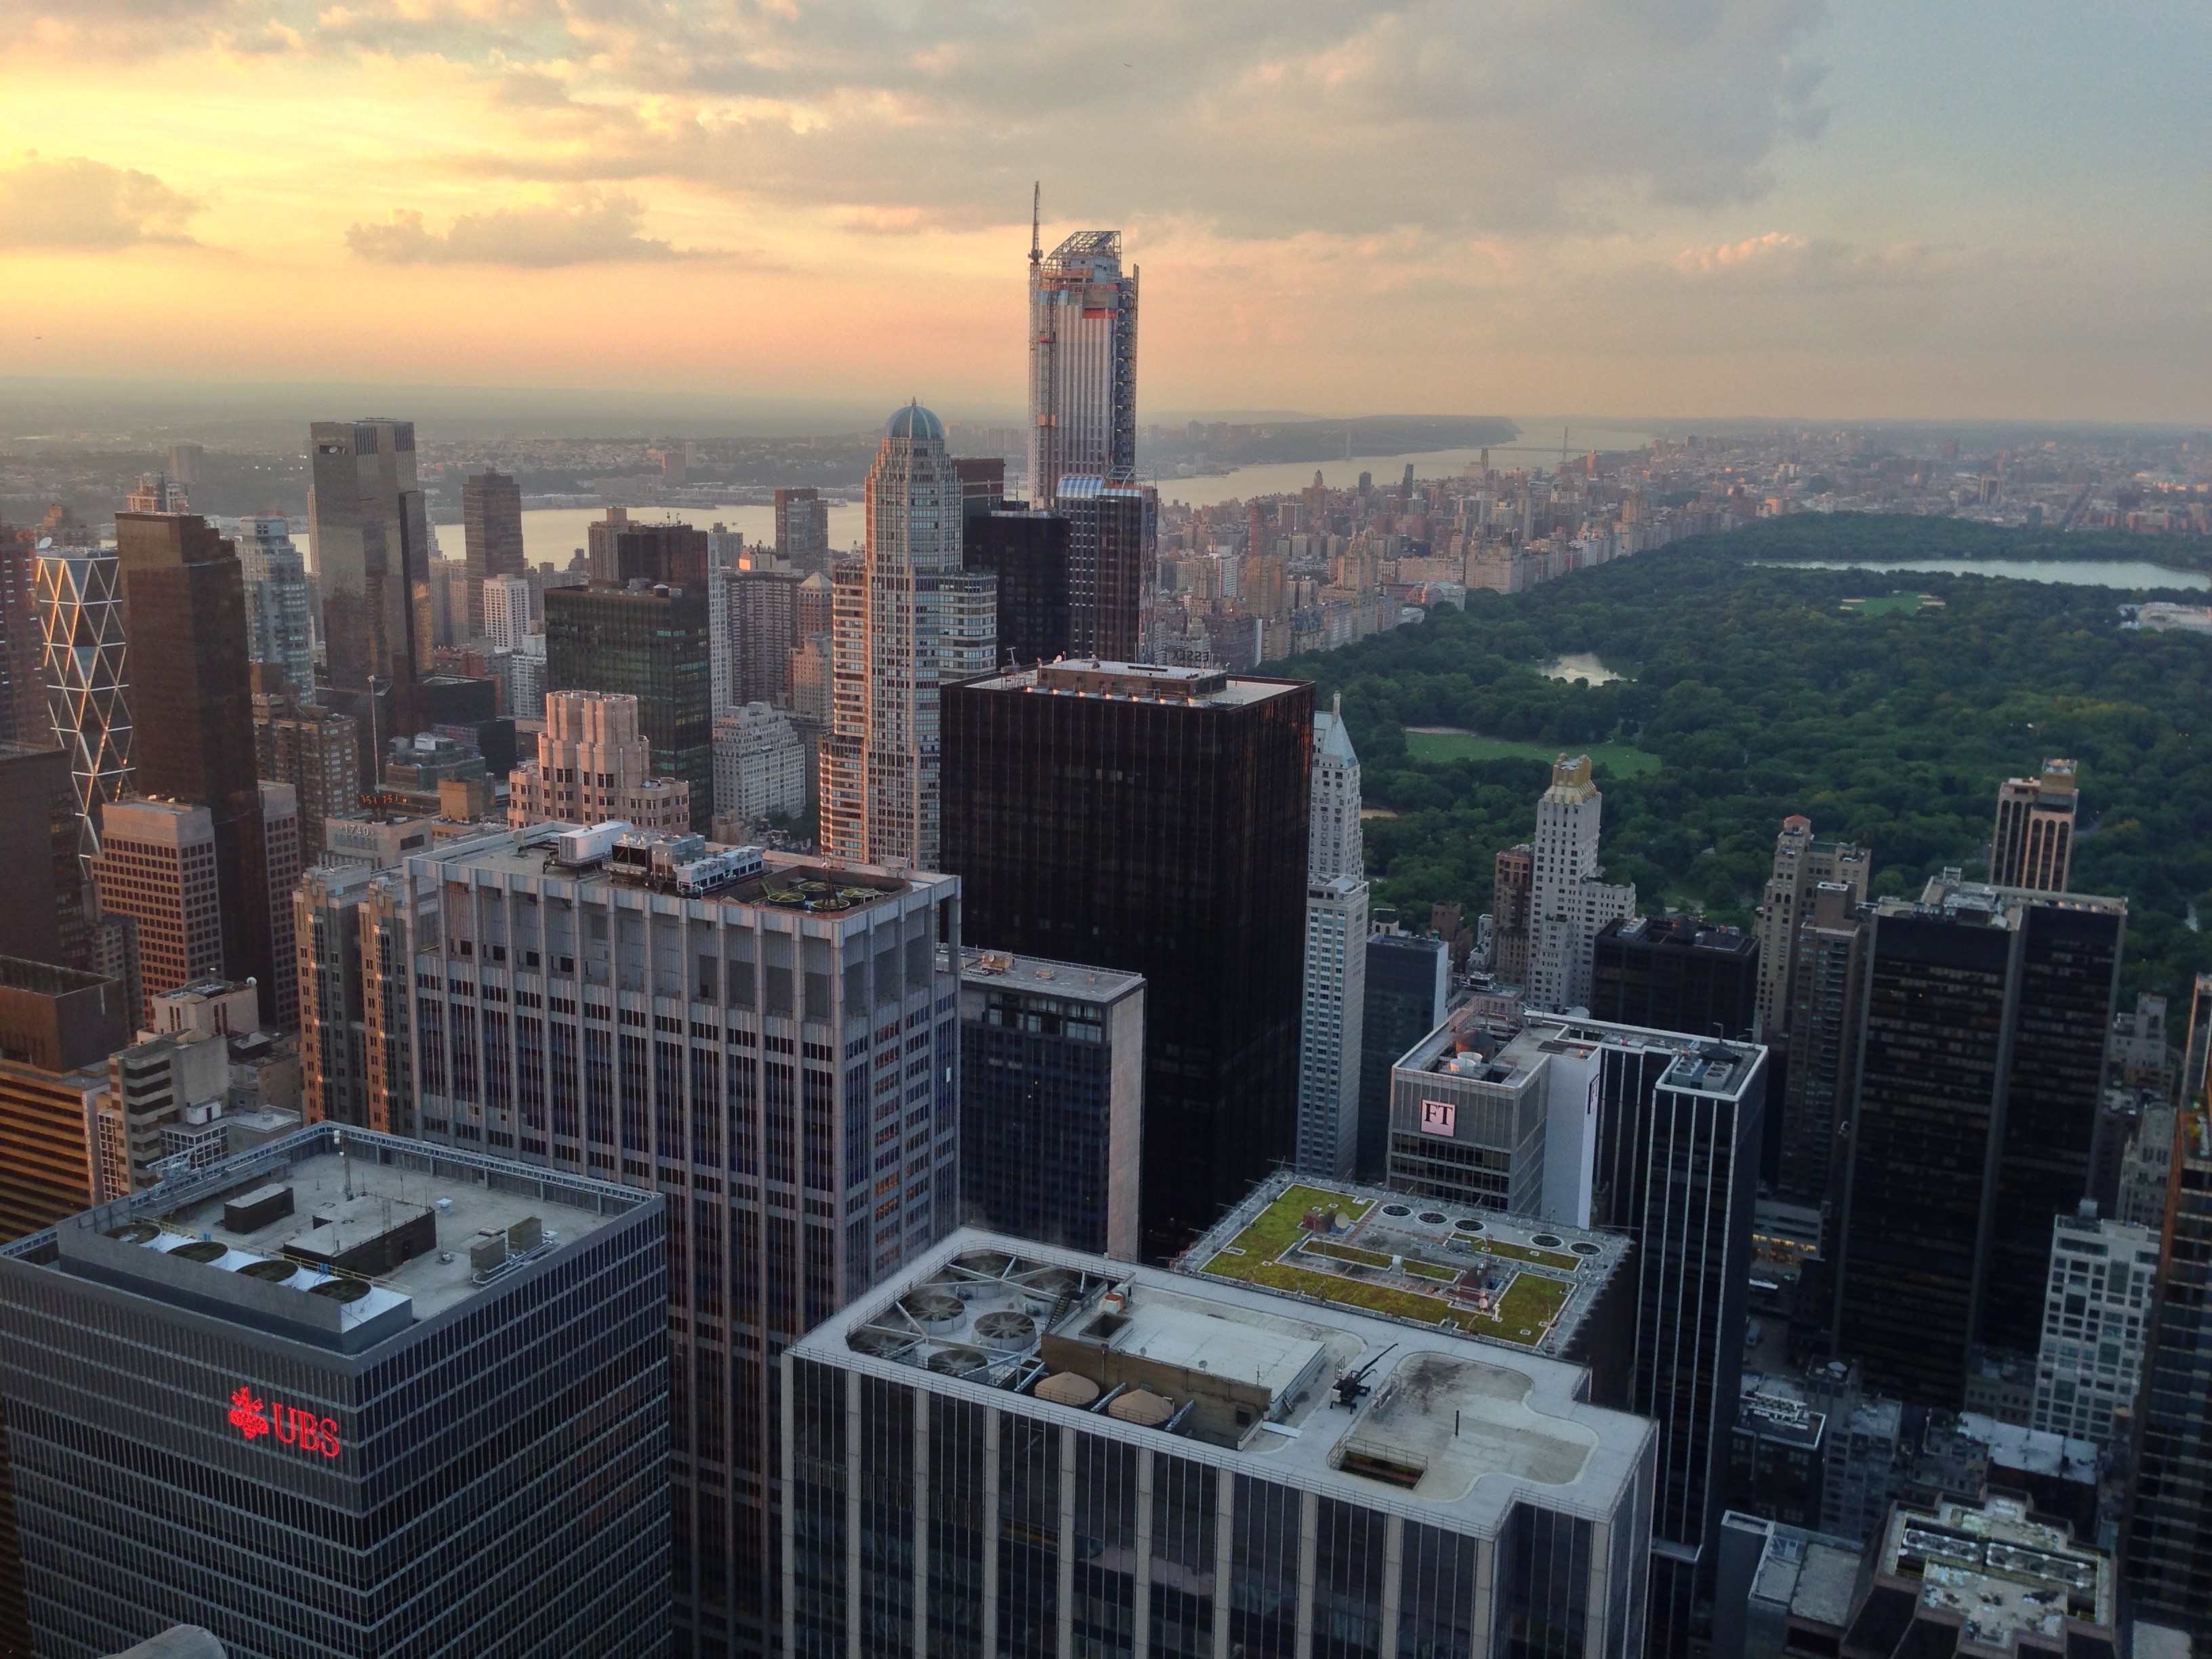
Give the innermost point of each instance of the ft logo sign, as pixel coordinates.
(292, 1424)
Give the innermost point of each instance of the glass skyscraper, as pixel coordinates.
(345, 1394)
(772, 1043)
(1019, 1451)
(369, 535)
(1082, 365)
(1153, 821)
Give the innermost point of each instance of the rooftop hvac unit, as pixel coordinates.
(578, 848)
(486, 1252)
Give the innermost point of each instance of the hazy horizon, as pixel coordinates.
(1877, 211)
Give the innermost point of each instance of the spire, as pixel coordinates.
(1036, 209)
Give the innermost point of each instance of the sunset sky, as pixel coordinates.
(1633, 207)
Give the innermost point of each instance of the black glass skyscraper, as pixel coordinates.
(650, 642)
(1112, 530)
(1985, 1012)
(1028, 553)
(183, 613)
(1153, 820)
(1676, 974)
(1407, 981)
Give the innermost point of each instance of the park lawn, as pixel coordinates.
(1884, 604)
(1618, 758)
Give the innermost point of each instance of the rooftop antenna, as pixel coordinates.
(1037, 212)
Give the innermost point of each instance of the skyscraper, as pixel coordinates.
(1334, 846)
(650, 643)
(1677, 974)
(491, 530)
(1407, 980)
(758, 625)
(24, 717)
(1985, 1016)
(1333, 1007)
(1082, 363)
(2169, 1523)
(2098, 1309)
(371, 539)
(1569, 901)
(280, 630)
(1512, 885)
(506, 611)
(802, 531)
(1052, 1080)
(1801, 864)
(799, 1108)
(1026, 553)
(2033, 847)
(43, 917)
(1112, 530)
(88, 676)
(156, 865)
(318, 753)
(909, 620)
(336, 1350)
(183, 610)
(1153, 820)
(594, 765)
(1824, 1020)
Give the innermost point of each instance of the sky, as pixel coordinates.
(1684, 208)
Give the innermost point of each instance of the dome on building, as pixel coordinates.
(916, 422)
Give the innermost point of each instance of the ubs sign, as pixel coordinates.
(293, 1425)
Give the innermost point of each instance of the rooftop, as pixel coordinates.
(1247, 1380)
(1003, 970)
(1125, 681)
(1475, 1044)
(689, 865)
(340, 1237)
(2002, 1574)
(1511, 1280)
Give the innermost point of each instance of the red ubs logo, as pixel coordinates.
(293, 1425)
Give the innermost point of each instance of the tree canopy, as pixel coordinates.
(1762, 697)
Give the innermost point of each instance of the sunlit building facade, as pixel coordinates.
(1083, 366)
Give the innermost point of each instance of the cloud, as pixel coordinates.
(75, 202)
(582, 226)
(1781, 261)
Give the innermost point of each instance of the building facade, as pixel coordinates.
(280, 625)
(909, 621)
(1980, 1078)
(183, 608)
(1331, 1015)
(1073, 1455)
(242, 1384)
(88, 676)
(593, 766)
(1082, 363)
(2033, 847)
(2097, 1311)
(1802, 865)
(156, 865)
(44, 918)
(1407, 985)
(760, 764)
(1112, 534)
(1153, 821)
(1026, 553)
(802, 531)
(491, 539)
(2169, 1554)
(371, 532)
(1512, 892)
(509, 612)
(314, 750)
(1823, 1024)
(650, 644)
(1334, 846)
(1677, 974)
(1052, 1078)
(773, 1044)
(1568, 902)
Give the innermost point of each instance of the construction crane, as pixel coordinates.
(1352, 1385)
